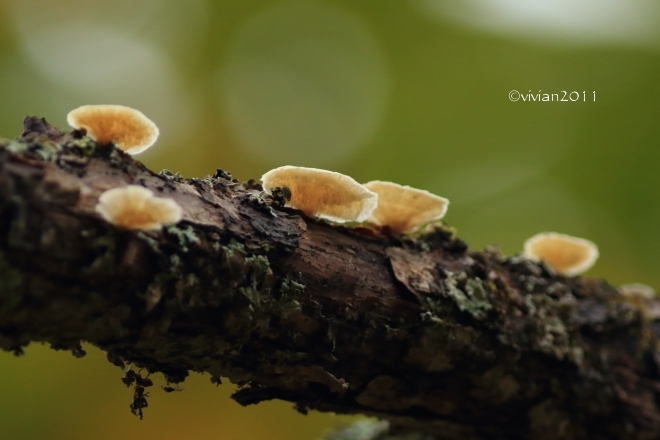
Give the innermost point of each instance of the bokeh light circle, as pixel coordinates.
(304, 83)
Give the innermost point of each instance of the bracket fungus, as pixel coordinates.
(564, 254)
(129, 129)
(324, 194)
(403, 208)
(637, 290)
(136, 207)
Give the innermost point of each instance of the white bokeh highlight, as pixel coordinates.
(562, 22)
(304, 83)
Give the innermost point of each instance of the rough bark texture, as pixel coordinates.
(415, 330)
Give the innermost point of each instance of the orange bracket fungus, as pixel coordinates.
(403, 208)
(129, 129)
(136, 207)
(564, 254)
(323, 194)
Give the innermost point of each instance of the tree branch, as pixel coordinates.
(415, 330)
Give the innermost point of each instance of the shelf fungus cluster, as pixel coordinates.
(317, 193)
(566, 255)
(402, 209)
(336, 197)
(132, 206)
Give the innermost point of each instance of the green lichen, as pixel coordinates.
(185, 236)
(188, 292)
(73, 152)
(428, 317)
(548, 333)
(175, 264)
(474, 299)
(257, 268)
(17, 147)
(45, 149)
(552, 336)
(222, 174)
(150, 241)
(176, 177)
(234, 259)
(290, 291)
(555, 340)
(259, 202)
(86, 146)
(249, 274)
(48, 151)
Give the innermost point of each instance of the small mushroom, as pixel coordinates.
(637, 290)
(323, 194)
(403, 208)
(136, 207)
(566, 255)
(129, 129)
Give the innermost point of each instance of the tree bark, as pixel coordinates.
(415, 329)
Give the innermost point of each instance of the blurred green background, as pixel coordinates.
(412, 91)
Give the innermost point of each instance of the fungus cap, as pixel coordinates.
(136, 207)
(637, 290)
(403, 208)
(129, 129)
(322, 193)
(566, 255)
